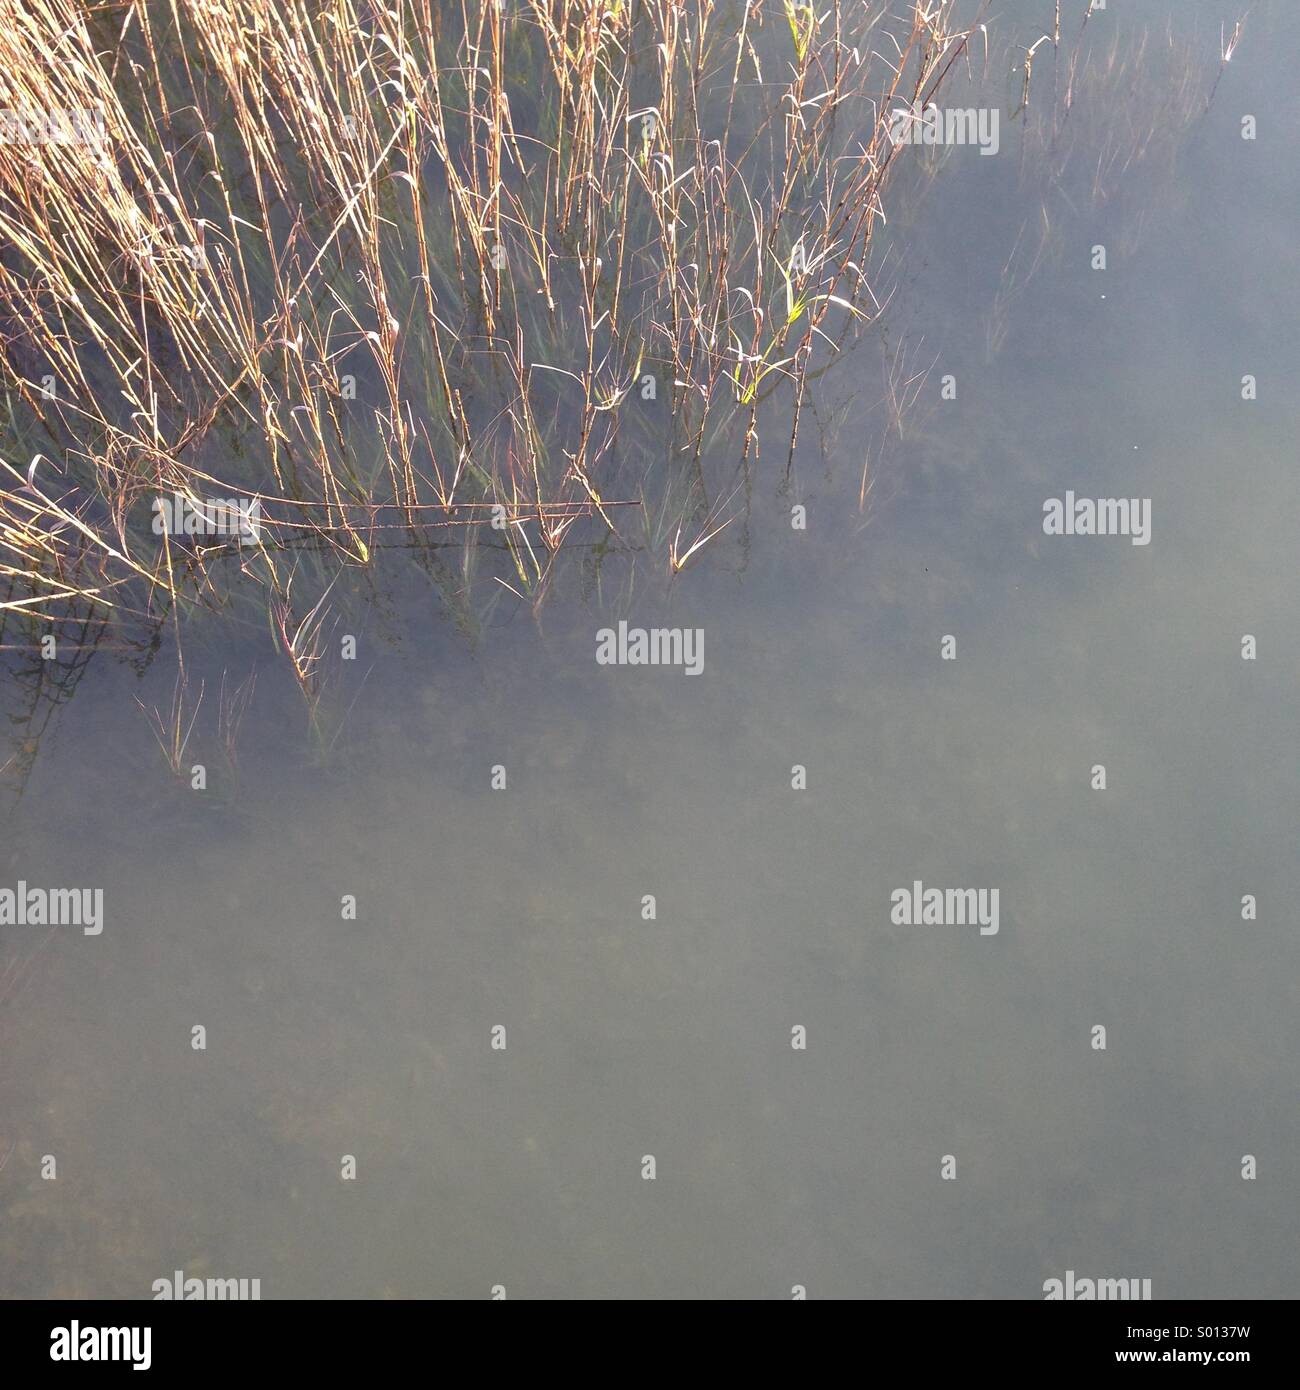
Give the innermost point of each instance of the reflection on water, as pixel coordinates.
(522, 908)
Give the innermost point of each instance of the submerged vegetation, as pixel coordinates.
(400, 272)
(481, 282)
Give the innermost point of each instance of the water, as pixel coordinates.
(522, 907)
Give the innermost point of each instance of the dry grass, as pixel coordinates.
(405, 274)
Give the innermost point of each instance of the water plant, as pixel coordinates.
(467, 276)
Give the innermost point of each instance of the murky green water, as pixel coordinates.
(522, 907)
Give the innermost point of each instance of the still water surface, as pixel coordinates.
(522, 907)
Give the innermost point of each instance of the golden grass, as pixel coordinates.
(406, 270)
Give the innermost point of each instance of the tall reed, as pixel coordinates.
(482, 272)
